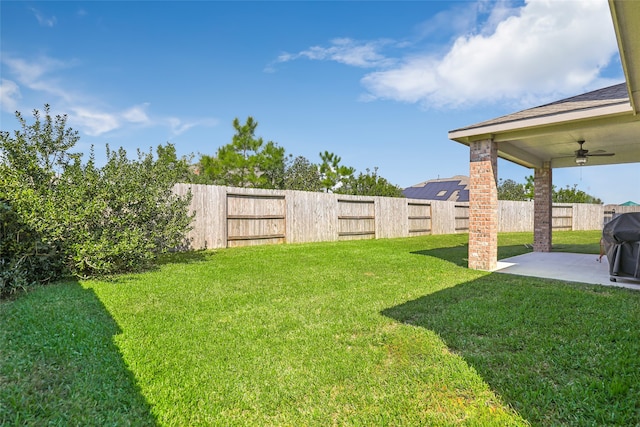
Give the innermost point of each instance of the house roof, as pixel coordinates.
(452, 189)
(606, 119)
(612, 96)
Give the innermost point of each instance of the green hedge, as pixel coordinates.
(61, 215)
(24, 258)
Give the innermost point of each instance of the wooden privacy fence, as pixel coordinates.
(256, 218)
(229, 216)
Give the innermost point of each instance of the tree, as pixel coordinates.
(40, 151)
(510, 190)
(182, 167)
(245, 162)
(302, 175)
(93, 220)
(122, 215)
(370, 184)
(529, 187)
(272, 165)
(573, 195)
(31, 162)
(333, 175)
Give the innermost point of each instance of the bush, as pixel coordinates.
(76, 218)
(122, 215)
(24, 258)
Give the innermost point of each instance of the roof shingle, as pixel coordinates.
(612, 95)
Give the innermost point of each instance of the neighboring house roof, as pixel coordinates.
(629, 203)
(452, 189)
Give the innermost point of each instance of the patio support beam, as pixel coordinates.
(542, 208)
(483, 205)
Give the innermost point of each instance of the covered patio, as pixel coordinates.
(569, 267)
(596, 128)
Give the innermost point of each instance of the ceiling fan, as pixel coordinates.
(582, 154)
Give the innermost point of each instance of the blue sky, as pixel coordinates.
(378, 83)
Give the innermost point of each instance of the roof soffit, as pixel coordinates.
(626, 22)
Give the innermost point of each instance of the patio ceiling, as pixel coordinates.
(605, 119)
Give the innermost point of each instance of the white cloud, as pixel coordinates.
(86, 113)
(94, 123)
(9, 95)
(28, 72)
(178, 126)
(550, 47)
(521, 55)
(44, 21)
(345, 51)
(137, 114)
(36, 74)
(465, 18)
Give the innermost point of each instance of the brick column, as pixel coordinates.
(542, 209)
(483, 205)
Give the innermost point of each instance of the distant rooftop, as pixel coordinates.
(453, 189)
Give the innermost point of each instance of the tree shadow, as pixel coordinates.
(186, 257)
(558, 353)
(59, 364)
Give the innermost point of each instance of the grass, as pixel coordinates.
(59, 364)
(387, 332)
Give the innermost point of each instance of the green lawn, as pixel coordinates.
(387, 332)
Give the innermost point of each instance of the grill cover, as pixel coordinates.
(621, 238)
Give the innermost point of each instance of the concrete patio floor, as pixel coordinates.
(569, 267)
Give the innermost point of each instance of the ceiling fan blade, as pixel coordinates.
(601, 154)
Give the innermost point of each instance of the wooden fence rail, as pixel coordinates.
(229, 216)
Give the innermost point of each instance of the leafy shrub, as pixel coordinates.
(77, 218)
(123, 214)
(24, 258)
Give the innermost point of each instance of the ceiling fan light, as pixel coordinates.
(580, 161)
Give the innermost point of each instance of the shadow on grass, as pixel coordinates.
(459, 255)
(59, 364)
(186, 257)
(559, 354)
(592, 248)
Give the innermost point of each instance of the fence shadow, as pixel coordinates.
(557, 353)
(58, 344)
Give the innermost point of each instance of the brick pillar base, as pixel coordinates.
(542, 207)
(483, 205)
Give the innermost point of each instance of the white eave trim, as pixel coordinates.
(465, 135)
(624, 37)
